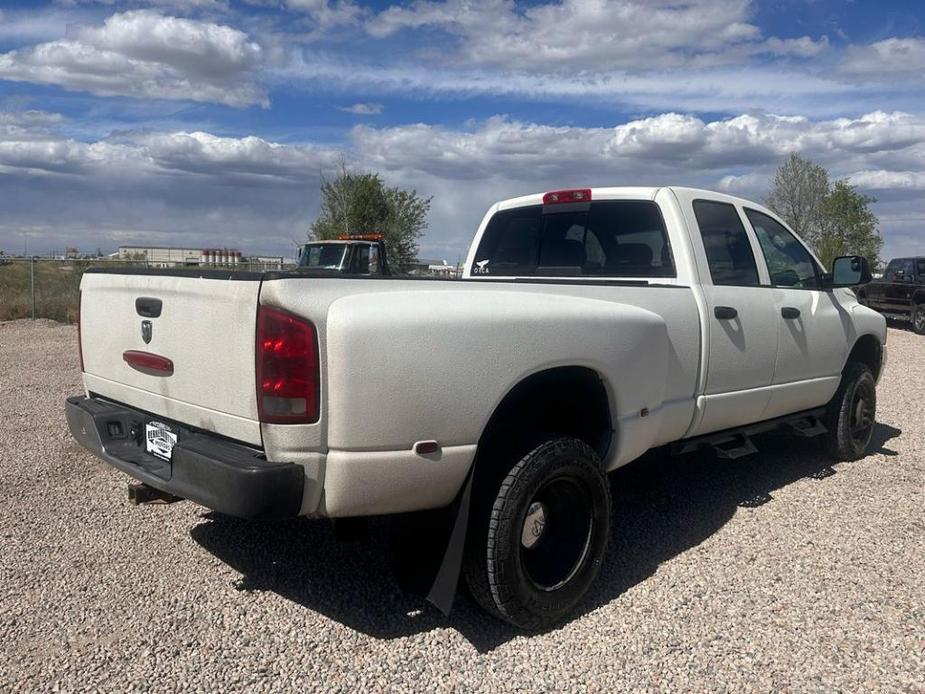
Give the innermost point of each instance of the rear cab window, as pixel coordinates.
(603, 238)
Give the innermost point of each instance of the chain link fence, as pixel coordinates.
(50, 288)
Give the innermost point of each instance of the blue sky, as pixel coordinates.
(208, 122)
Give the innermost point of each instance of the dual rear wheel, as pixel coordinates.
(539, 534)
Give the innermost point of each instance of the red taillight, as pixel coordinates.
(559, 196)
(80, 347)
(287, 368)
(146, 362)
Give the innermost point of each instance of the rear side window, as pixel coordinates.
(789, 263)
(618, 238)
(729, 254)
(921, 269)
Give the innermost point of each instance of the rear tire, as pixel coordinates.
(918, 319)
(539, 534)
(851, 414)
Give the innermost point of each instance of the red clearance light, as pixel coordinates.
(80, 347)
(151, 364)
(557, 197)
(288, 371)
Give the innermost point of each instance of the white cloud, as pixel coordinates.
(177, 5)
(668, 142)
(146, 54)
(594, 35)
(889, 180)
(204, 153)
(27, 143)
(721, 89)
(363, 109)
(198, 187)
(892, 58)
(33, 25)
(325, 13)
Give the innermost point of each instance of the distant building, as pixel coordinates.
(169, 256)
(435, 268)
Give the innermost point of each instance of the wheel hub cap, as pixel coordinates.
(534, 525)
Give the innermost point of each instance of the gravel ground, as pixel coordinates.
(777, 572)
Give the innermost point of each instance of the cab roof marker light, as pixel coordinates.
(557, 197)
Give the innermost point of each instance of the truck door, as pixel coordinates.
(814, 328)
(743, 331)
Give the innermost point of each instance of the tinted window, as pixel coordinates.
(921, 269)
(891, 269)
(900, 270)
(729, 253)
(604, 239)
(361, 264)
(789, 263)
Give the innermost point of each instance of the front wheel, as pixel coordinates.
(851, 413)
(538, 538)
(918, 319)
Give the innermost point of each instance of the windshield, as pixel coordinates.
(327, 256)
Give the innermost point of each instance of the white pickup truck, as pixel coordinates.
(590, 326)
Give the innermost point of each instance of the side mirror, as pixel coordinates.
(848, 271)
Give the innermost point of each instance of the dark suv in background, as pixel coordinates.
(900, 293)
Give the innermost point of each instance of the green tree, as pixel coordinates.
(833, 218)
(848, 226)
(360, 203)
(797, 193)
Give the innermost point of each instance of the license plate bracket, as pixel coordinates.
(160, 440)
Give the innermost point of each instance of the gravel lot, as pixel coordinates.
(777, 572)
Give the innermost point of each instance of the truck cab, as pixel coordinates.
(900, 293)
(350, 254)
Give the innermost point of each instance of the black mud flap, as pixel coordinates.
(443, 589)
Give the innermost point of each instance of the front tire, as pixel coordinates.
(539, 537)
(918, 319)
(851, 414)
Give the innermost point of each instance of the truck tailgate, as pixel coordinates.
(206, 327)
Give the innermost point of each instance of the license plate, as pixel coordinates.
(159, 440)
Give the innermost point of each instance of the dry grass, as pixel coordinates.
(57, 287)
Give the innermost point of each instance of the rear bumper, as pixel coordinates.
(221, 475)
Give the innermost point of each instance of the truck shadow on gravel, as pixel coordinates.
(662, 506)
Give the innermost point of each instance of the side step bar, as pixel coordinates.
(731, 444)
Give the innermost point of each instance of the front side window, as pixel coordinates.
(609, 238)
(729, 254)
(789, 263)
(921, 269)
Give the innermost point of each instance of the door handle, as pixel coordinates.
(725, 312)
(148, 307)
(789, 312)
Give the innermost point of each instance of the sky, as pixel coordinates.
(208, 123)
